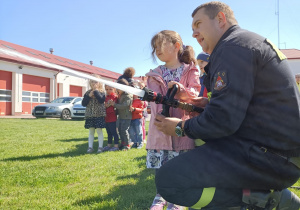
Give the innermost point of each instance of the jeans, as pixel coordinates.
(135, 131)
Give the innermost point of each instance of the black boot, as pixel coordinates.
(279, 200)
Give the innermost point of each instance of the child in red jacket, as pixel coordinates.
(111, 119)
(135, 130)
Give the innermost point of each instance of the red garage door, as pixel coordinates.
(5, 92)
(36, 90)
(75, 91)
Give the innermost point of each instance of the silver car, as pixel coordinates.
(60, 107)
(78, 111)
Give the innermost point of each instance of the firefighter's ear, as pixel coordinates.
(222, 20)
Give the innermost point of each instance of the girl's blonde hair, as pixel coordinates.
(100, 86)
(186, 53)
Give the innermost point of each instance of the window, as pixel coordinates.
(5, 95)
(26, 93)
(31, 52)
(35, 97)
(44, 95)
(44, 100)
(77, 99)
(26, 99)
(8, 47)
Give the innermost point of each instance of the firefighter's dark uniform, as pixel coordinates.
(251, 127)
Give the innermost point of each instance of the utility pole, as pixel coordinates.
(277, 13)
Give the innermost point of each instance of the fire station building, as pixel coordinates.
(25, 84)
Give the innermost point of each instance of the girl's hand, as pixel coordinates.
(112, 103)
(107, 104)
(131, 108)
(142, 85)
(171, 84)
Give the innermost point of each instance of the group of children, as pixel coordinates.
(179, 68)
(102, 109)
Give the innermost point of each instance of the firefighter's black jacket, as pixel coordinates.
(254, 94)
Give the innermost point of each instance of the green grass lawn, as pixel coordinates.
(44, 165)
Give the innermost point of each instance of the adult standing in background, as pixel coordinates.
(251, 125)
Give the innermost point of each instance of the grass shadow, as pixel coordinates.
(119, 198)
(80, 149)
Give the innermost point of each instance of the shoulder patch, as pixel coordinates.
(279, 53)
(220, 81)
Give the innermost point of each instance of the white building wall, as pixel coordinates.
(295, 65)
(52, 89)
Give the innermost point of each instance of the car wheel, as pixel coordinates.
(65, 114)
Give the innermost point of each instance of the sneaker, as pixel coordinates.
(126, 148)
(158, 203)
(100, 149)
(106, 148)
(122, 145)
(134, 145)
(130, 144)
(140, 146)
(114, 149)
(90, 150)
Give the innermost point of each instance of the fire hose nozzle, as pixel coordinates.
(151, 96)
(168, 101)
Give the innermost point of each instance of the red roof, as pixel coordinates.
(82, 67)
(291, 53)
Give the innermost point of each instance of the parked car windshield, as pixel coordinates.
(63, 100)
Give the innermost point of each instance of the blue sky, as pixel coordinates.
(116, 34)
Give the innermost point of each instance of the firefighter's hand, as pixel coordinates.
(199, 101)
(166, 124)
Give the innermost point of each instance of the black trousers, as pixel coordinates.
(228, 165)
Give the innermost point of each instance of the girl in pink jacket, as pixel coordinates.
(178, 69)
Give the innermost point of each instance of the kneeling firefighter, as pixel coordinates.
(250, 125)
